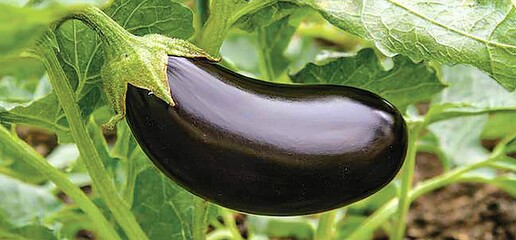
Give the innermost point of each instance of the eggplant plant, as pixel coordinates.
(185, 116)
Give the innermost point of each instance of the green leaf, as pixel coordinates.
(459, 139)
(152, 16)
(470, 92)
(21, 26)
(480, 33)
(162, 207)
(499, 125)
(45, 113)
(34, 232)
(273, 41)
(23, 203)
(265, 16)
(404, 84)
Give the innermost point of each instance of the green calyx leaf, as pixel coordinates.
(139, 61)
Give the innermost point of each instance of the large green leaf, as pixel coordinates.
(480, 33)
(152, 16)
(404, 84)
(470, 92)
(162, 207)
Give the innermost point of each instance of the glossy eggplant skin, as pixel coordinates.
(267, 148)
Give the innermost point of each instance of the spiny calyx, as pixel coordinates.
(143, 64)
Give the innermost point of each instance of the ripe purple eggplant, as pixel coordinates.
(268, 148)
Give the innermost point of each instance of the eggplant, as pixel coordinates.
(266, 148)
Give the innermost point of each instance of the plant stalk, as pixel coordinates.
(406, 181)
(101, 182)
(223, 15)
(266, 68)
(229, 221)
(202, 7)
(199, 226)
(325, 227)
(110, 32)
(220, 234)
(214, 31)
(32, 158)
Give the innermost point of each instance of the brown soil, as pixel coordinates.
(42, 141)
(463, 211)
(460, 211)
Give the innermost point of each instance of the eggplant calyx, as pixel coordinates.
(143, 65)
(129, 59)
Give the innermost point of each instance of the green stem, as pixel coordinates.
(202, 10)
(214, 31)
(216, 224)
(220, 234)
(383, 214)
(113, 36)
(32, 158)
(229, 221)
(223, 14)
(325, 227)
(264, 57)
(130, 183)
(406, 181)
(92, 160)
(331, 33)
(200, 210)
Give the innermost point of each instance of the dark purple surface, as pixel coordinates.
(265, 148)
